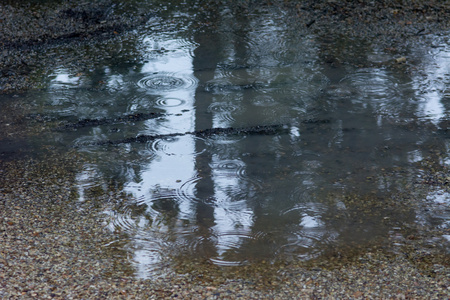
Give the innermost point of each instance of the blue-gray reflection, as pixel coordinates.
(237, 198)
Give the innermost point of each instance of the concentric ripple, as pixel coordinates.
(286, 51)
(188, 191)
(222, 107)
(180, 145)
(264, 101)
(161, 82)
(137, 102)
(232, 182)
(169, 102)
(229, 247)
(133, 217)
(164, 82)
(147, 241)
(227, 168)
(307, 241)
(87, 142)
(223, 111)
(372, 85)
(196, 244)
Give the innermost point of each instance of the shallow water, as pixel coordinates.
(355, 128)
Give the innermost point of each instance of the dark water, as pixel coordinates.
(355, 129)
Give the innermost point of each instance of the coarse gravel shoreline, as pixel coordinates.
(53, 247)
(32, 31)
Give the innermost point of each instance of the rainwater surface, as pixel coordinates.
(250, 139)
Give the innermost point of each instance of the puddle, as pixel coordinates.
(355, 136)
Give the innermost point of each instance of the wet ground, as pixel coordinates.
(205, 137)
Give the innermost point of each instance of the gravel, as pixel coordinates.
(34, 32)
(54, 247)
